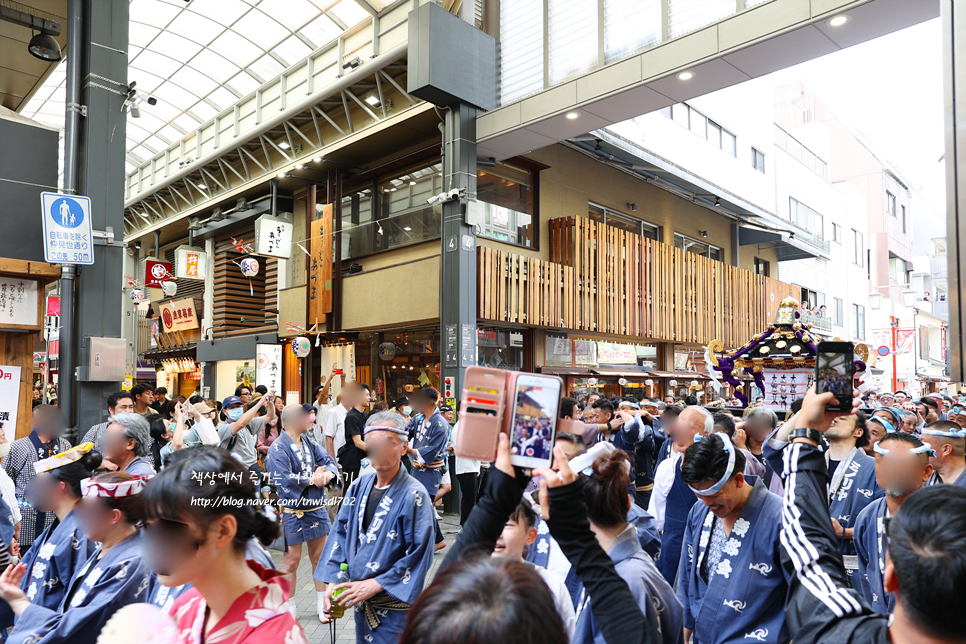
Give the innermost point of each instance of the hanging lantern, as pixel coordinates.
(672, 383)
(592, 382)
(694, 383)
(387, 350)
(301, 346)
(169, 288)
(649, 382)
(249, 267)
(137, 295)
(622, 381)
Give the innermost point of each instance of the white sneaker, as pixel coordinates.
(437, 514)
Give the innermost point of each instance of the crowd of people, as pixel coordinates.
(676, 523)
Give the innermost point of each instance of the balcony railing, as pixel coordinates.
(819, 322)
(940, 268)
(941, 309)
(814, 240)
(608, 280)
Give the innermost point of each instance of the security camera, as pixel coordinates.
(433, 199)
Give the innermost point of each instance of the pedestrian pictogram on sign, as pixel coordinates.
(68, 238)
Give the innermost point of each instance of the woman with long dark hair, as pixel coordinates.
(200, 513)
(114, 576)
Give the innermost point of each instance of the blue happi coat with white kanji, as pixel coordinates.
(852, 489)
(95, 593)
(871, 547)
(429, 439)
(396, 550)
(744, 597)
(291, 467)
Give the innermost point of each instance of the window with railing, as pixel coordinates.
(809, 220)
(509, 211)
(622, 221)
(794, 147)
(391, 212)
(702, 126)
(697, 247)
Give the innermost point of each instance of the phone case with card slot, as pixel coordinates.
(481, 413)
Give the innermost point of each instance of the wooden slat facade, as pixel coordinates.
(232, 298)
(607, 280)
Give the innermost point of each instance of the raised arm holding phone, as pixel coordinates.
(924, 568)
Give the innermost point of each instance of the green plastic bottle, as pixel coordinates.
(338, 610)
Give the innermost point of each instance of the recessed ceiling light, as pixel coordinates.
(299, 166)
(407, 229)
(573, 115)
(685, 76)
(317, 160)
(838, 21)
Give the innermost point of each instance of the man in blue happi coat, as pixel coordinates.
(730, 578)
(948, 440)
(384, 534)
(429, 432)
(901, 467)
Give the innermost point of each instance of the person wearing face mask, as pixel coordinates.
(113, 576)
(63, 547)
(901, 467)
(301, 469)
(202, 544)
(238, 434)
(43, 442)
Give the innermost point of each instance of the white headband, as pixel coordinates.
(728, 447)
(935, 432)
(922, 449)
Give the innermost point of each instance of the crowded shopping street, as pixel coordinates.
(482, 322)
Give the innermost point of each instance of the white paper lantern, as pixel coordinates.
(301, 346)
(137, 295)
(249, 267)
(170, 289)
(694, 383)
(672, 383)
(591, 381)
(622, 381)
(649, 382)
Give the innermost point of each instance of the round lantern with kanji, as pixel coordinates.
(249, 267)
(137, 295)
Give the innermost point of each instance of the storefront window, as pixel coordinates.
(397, 364)
(499, 348)
(506, 193)
(559, 351)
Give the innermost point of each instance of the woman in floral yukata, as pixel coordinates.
(200, 513)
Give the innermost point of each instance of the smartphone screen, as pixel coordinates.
(834, 369)
(534, 421)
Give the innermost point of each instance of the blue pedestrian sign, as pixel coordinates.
(67, 229)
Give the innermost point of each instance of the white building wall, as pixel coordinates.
(745, 111)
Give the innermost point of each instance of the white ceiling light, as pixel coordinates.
(317, 160)
(281, 175)
(299, 166)
(372, 100)
(573, 115)
(838, 21)
(202, 186)
(284, 145)
(685, 76)
(412, 183)
(407, 229)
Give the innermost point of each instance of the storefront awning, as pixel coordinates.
(686, 375)
(613, 373)
(566, 371)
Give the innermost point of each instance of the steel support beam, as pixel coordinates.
(457, 306)
(954, 89)
(99, 163)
